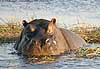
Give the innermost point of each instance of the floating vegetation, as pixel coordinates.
(41, 60)
(88, 52)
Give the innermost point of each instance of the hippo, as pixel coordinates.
(41, 37)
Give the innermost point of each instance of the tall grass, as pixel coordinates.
(10, 31)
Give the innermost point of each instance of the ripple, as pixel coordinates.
(13, 61)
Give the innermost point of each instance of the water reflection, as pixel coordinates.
(13, 61)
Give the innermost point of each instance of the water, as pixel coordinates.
(66, 11)
(13, 61)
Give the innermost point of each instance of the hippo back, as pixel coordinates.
(74, 41)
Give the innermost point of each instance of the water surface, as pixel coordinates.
(13, 61)
(66, 11)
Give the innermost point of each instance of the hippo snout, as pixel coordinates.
(51, 42)
(43, 42)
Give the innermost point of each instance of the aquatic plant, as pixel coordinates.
(88, 52)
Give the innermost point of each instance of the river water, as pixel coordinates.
(13, 61)
(65, 11)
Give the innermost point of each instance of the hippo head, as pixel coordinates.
(38, 38)
(39, 32)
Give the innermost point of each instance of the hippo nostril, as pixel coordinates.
(50, 41)
(47, 40)
(54, 42)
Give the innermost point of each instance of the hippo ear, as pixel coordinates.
(25, 23)
(51, 26)
(53, 20)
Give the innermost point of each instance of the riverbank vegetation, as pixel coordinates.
(89, 34)
(11, 31)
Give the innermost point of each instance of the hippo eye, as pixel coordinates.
(32, 28)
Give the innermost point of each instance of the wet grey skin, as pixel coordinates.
(42, 37)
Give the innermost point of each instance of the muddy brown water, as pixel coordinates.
(67, 61)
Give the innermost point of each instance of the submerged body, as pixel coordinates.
(42, 37)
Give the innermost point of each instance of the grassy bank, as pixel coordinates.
(89, 35)
(11, 31)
